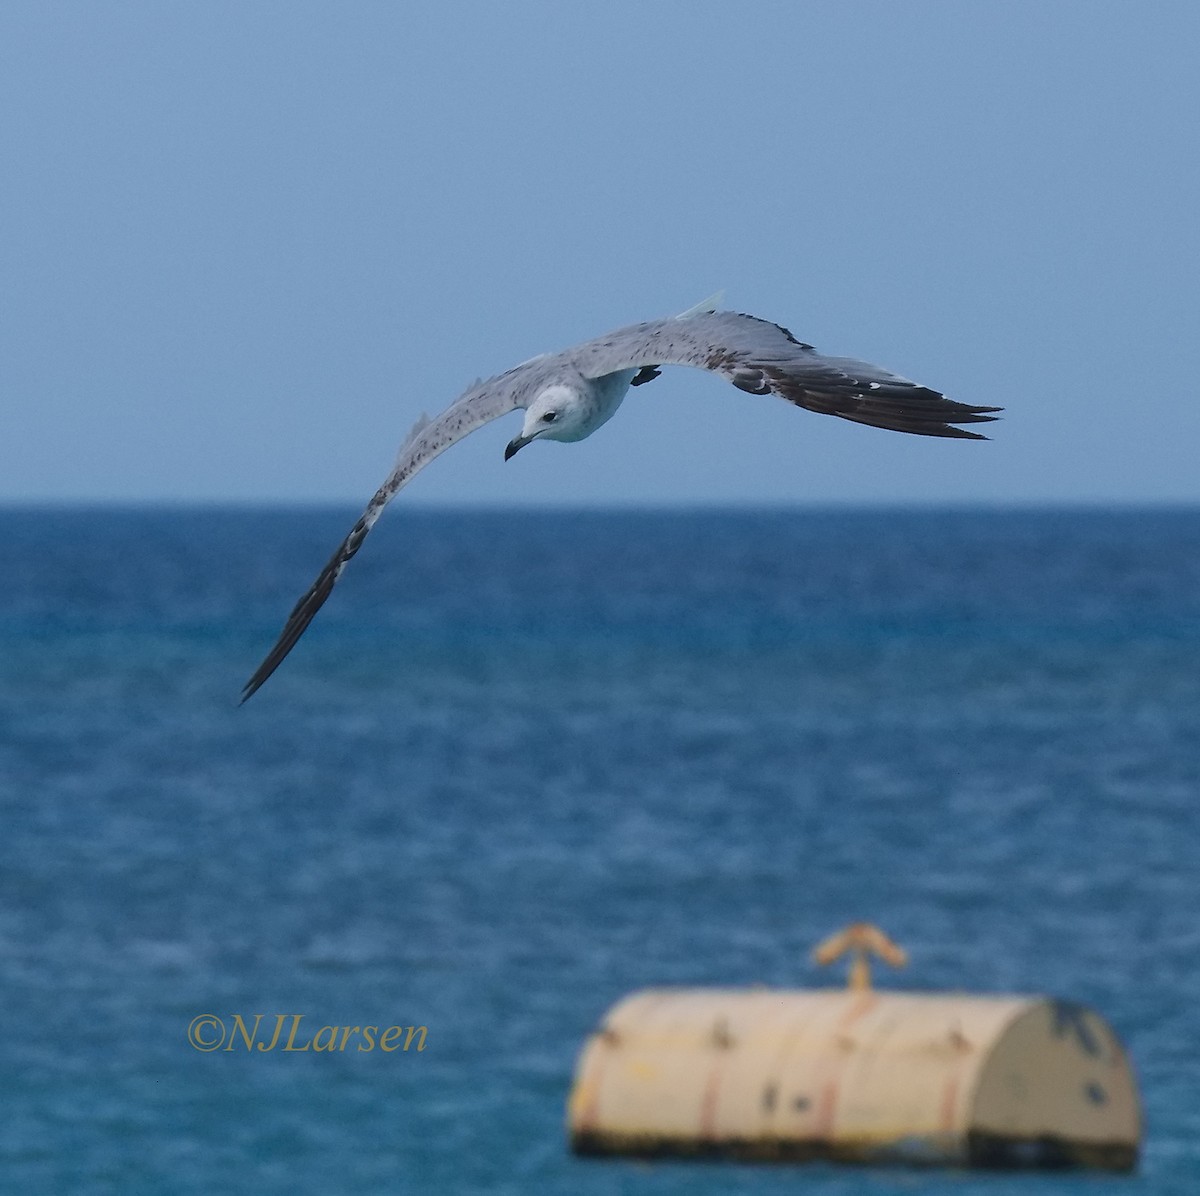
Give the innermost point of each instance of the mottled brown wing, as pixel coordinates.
(764, 358)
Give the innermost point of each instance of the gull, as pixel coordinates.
(566, 396)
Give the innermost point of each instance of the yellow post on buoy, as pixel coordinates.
(860, 940)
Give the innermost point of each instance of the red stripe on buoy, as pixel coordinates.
(825, 1108)
(708, 1104)
(949, 1102)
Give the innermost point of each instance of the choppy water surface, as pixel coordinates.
(525, 763)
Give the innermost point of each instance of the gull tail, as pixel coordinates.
(704, 307)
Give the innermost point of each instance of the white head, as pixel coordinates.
(560, 412)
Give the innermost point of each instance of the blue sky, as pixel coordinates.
(243, 246)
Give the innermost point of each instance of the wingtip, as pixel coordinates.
(250, 689)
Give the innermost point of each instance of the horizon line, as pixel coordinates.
(614, 506)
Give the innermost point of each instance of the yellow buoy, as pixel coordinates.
(856, 1075)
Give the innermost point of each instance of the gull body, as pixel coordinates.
(566, 396)
(571, 411)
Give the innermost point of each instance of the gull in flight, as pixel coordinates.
(568, 395)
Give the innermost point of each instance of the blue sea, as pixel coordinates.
(526, 762)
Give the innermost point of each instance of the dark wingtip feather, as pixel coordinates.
(920, 411)
(891, 403)
(304, 610)
(293, 629)
(302, 614)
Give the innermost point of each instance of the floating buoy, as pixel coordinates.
(856, 1075)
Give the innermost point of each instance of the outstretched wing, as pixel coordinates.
(482, 403)
(764, 358)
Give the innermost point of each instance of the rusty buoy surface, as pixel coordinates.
(858, 1076)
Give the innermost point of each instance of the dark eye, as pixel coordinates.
(549, 417)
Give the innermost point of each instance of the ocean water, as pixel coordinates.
(526, 762)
